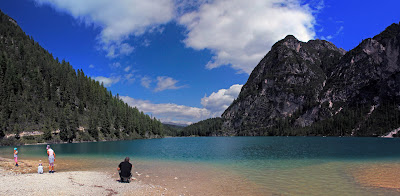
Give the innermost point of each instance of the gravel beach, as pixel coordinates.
(71, 178)
(21, 181)
(72, 183)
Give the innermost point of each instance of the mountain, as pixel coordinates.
(315, 88)
(43, 99)
(175, 124)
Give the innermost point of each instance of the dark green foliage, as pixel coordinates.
(47, 134)
(10, 142)
(93, 131)
(385, 117)
(209, 127)
(172, 130)
(40, 93)
(1, 134)
(353, 120)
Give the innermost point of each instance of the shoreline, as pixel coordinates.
(155, 178)
(74, 182)
(24, 180)
(79, 177)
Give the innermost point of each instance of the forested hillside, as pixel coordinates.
(208, 127)
(41, 93)
(172, 130)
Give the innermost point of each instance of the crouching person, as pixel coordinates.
(124, 170)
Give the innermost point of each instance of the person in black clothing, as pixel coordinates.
(124, 170)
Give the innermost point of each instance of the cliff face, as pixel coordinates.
(369, 70)
(299, 84)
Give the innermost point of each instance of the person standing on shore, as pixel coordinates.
(52, 158)
(16, 156)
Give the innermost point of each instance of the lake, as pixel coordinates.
(243, 165)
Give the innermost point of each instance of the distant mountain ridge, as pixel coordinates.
(315, 88)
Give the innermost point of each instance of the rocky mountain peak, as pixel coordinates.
(291, 42)
(298, 84)
(390, 32)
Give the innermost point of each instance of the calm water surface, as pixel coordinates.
(275, 165)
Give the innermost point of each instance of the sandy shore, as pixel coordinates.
(75, 178)
(73, 183)
(21, 181)
(165, 178)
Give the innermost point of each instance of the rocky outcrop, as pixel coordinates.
(368, 71)
(298, 84)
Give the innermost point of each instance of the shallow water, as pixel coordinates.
(243, 165)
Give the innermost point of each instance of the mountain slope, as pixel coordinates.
(40, 93)
(314, 88)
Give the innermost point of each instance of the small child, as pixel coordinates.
(16, 156)
(40, 169)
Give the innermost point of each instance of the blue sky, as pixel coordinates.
(183, 61)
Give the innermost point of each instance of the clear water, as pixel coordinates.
(274, 165)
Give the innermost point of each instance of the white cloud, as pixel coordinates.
(337, 33)
(115, 65)
(213, 106)
(107, 82)
(169, 112)
(240, 33)
(91, 66)
(165, 83)
(130, 78)
(117, 19)
(217, 102)
(127, 68)
(146, 81)
(125, 49)
(146, 43)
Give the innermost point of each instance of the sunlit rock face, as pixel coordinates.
(300, 83)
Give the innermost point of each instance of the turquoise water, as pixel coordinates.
(276, 165)
(233, 148)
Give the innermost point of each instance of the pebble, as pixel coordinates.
(147, 176)
(176, 178)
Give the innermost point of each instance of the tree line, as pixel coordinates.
(208, 127)
(41, 93)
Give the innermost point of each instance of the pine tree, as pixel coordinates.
(38, 92)
(93, 132)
